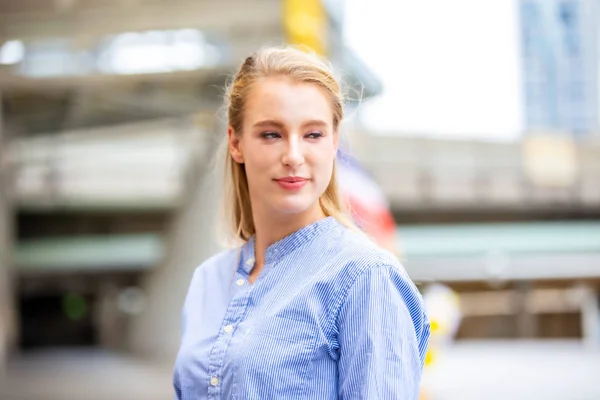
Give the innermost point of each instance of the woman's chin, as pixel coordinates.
(293, 206)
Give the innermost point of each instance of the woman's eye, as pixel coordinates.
(270, 135)
(315, 135)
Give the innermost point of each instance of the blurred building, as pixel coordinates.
(512, 227)
(560, 65)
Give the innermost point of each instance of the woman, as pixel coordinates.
(305, 307)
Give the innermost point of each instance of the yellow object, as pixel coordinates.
(305, 23)
(430, 356)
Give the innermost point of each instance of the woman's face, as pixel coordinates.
(288, 146)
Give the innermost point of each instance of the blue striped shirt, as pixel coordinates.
(331, 316)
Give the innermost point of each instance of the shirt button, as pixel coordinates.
(240, 282)
(228, 329)
(214, 381)
(250, 261)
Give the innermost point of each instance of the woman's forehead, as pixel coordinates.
(283, 101)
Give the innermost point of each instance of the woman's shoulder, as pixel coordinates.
(219, 264)
(372, 275)
(360, 254)
(217, 259)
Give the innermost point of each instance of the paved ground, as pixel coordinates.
(467, 371)
(515, 371)
(84, 375)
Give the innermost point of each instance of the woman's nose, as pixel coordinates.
(293, 155)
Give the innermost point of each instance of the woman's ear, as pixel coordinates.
(234, 146)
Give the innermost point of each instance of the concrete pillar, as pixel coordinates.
(190, 240)
(7, 313)
(590, 316)
(110, 322)
(526, 321)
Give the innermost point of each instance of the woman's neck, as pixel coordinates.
(271, 229)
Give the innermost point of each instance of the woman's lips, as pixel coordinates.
(292, 183)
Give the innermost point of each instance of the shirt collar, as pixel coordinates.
(286, 245)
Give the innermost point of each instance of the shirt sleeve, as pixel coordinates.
(383, 334)
(183, 325)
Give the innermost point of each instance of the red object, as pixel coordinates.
(367, 202)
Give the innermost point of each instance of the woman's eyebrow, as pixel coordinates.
(268, 122)
(278, 124)
(315, 122)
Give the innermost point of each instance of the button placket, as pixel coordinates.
(232, 318)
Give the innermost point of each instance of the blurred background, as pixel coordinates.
(471, 149)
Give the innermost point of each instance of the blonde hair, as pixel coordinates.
(300, 66)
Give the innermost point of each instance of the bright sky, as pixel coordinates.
(450, 68)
